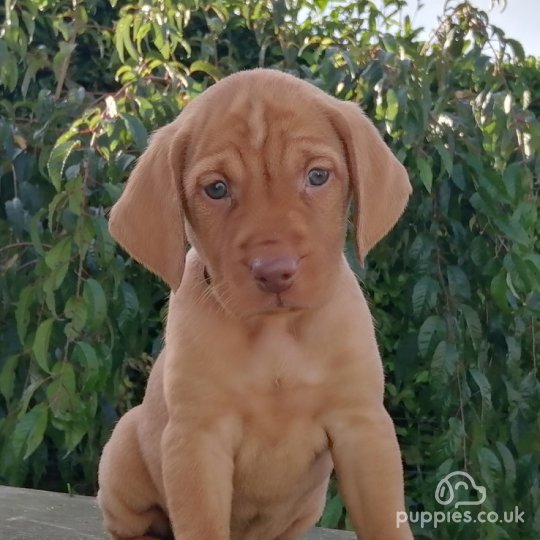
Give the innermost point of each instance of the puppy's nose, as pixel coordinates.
(274, 275)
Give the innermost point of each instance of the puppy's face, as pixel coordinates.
(257, 174)
(265, 190)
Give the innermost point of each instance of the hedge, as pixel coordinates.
(455, 288)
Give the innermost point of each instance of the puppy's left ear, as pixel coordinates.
(379, 182)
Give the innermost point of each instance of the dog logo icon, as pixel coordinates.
(446, 490)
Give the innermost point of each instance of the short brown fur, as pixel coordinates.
(257, 397)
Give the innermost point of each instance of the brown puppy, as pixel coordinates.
(270, 376)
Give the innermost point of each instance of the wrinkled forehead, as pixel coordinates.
(257, 120)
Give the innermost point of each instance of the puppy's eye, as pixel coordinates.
(217, 190)
(318, 177)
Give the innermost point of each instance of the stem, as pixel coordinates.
(63, 71)
(21, 244)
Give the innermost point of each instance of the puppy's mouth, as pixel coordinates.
(280, 304)
(207, 277)
(276, 303)
(284, 305)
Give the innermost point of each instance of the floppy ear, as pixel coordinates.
(147, 220)
(379, 182)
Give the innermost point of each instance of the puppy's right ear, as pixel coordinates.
(147, 220)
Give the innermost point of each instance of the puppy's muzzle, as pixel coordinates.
(274, 275)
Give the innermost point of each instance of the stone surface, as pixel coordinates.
(27, 514)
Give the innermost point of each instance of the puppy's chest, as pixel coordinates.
(283, 438)
(279, 455)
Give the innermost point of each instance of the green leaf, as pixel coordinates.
(137, 131)
(23, 312)
(27, 395)
(426, 175)
(84, 236)
(332, 513)
(61, 57)
(480, 251)
(40, 348)
(35, 63)
(474, 326)
(458, 283)
(7, 377)
(119, 40)
(59, 254)
(8, 67)
(514, 349)
(513, 230)
(490, 467)
(74, 436)
(96, 301)
(321, 4)
(123, 39)
(458, 176)
(509, 465)
(161, 41)
(53, 206)
(30, 430)
(130, 304)
(446, 159)
(35, 231)
(57, 161)
(498, 290)
(48, 288)
(142, 32)
(454, 436)
(517, 47)
(406, 354)
(444, 363)
(61, 392)
(206, 67)
(424, 294)
(58, 259)
(430, 327)
(86, 355)
(392, 105)
(76, 310)
(511, 178)
(76, 198)
(483, 384)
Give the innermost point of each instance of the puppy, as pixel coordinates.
(270, 376)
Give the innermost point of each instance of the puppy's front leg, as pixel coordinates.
(198, 478)
(370, 476)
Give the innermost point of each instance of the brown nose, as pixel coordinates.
(274, 275)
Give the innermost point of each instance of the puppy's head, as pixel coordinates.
(257, 174)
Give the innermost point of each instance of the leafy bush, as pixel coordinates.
(455, 288)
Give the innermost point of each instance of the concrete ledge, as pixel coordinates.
(27, 514)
